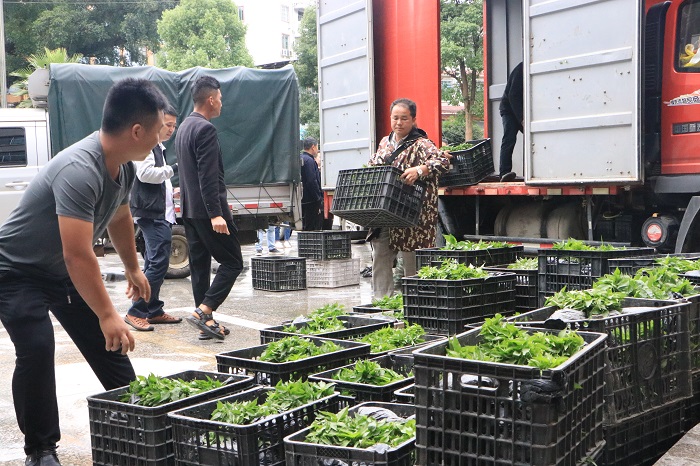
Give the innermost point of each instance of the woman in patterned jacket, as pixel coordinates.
(419, 159)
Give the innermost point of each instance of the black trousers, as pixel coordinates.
(204, 243)
(24, 306)
(312, 216)
(511, 127)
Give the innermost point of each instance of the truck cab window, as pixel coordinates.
(689, 37)
(13, 147)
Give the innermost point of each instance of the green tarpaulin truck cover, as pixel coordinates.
(258, 127)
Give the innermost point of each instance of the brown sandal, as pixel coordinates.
(200, 322)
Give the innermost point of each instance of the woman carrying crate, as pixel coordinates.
(408, 148)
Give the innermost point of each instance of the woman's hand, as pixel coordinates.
(411, 175)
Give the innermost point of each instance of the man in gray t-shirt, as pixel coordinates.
(47, 262)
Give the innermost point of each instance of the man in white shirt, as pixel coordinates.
(152, 208)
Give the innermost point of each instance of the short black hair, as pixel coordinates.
(408, 103)
(203, 87)
(309, 143)
(170, 110)
(131, 101)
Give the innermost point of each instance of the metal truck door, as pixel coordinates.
(346, 89)
(582, 91)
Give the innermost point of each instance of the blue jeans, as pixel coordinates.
(511, 126)
(270, 232)
(286, 232)
(158, 235)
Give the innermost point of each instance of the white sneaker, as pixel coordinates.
(258, 253)
(287, 244)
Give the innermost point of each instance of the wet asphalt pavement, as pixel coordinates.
(167, 350)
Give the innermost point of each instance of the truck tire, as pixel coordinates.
(179, 255)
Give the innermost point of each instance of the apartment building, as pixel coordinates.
(273, 28)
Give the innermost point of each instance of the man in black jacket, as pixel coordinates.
(511, 110)
(205, 212)
(312, 196)
(152, 208)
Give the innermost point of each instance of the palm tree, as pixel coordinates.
(36, 61)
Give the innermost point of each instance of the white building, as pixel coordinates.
(272, 28)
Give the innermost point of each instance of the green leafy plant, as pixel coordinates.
(153, 390)
(463, 146)
(358, 431)
(450, 269)
(524, 263)
(451, 244)
(317, 324)
(572, 244)
(293, 348)
(389, 302)
(389, 338)
(328, 310)
(368, 372)
(677, 264)
(593, 302)
(285, 397)
(505, 343)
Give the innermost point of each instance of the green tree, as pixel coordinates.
(306, 68)
(202, 33)
(461, 43)
(109, 32)
(453, 129)
(20, 41)
(36, 61)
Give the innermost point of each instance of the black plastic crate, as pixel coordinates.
(376, 197)
(247, 361)
(300, 453)
(476, 412)
(526, 296)
(355, 326)
(364, 392)
(647, 355)
(279, 273)
(370, 309)
(694, 331)
(324, 245)
(643, 439)
(444, 307)
(126, 434)
(692, 409)
(406, 395)
(469, 166)
(201, 441)
(493, 256)
(631, 265)
(576, 270)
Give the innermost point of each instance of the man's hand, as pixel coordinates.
(137, 286)
(218, 224)
(117, 334)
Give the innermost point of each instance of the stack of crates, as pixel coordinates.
(647, 376)
(577, 270)
(473, 413)
(329, 262)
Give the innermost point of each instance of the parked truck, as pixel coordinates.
(611, 146)
(258, 131)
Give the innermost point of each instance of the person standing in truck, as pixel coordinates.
(312, 196)
(205, 211)
(408, 148)
(511, 109)
(153, 211)
(47, 262)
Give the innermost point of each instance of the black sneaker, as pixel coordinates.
(44, 457)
